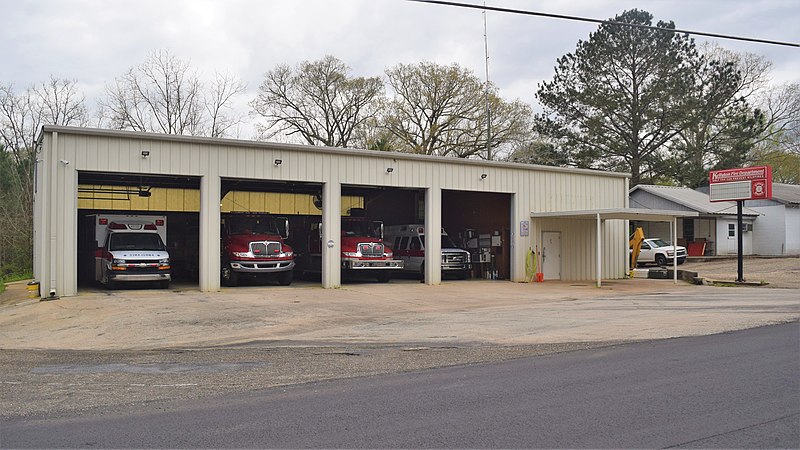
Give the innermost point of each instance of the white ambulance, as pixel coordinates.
(408, 244)
(130, 248)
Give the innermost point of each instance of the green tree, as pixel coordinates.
(537, 151)
(317, 100)
(724, 124)
(621, 96)
(442, 110)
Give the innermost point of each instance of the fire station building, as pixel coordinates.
(503, 213)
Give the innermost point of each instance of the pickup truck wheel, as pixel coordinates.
(661, 260)
(383, 277)
(462, 275)
(285, 278)
(229, 276)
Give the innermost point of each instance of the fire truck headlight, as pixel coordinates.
(117, 262)
(164, 261)
(286, 254)
(242, 254)
(352, 254)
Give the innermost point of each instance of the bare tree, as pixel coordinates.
(218, 106)
(442, 110)
(61, 103)
(781, 106)
(165, 95)
(318, 100)
(56, 102)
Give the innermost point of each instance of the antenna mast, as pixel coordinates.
(486, 94)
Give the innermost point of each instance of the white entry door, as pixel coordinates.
(551, 255)
(733, 241)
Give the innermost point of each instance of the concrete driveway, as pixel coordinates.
(403, 312)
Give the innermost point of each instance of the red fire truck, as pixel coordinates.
(363, 249)
(252, 246)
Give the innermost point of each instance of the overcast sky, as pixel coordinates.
(94, 41)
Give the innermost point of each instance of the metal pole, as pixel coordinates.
(740, 257)
(674, 226)
(599, 267)
(488, 113)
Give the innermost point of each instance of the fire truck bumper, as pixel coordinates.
(372, 264)
(262, 266)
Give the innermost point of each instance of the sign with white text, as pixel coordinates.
(748, 183)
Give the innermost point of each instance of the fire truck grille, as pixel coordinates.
(370, 249)
(265, 249)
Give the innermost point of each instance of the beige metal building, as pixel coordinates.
(205, 170)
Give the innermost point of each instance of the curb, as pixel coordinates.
(726, 283)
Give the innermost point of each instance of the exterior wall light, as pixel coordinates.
(278, 162)
(483, 176)
(145, 154)
(389, 169)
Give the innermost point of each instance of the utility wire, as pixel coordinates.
(605, 22)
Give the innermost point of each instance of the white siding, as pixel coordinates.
(769, 230)
(793, 231)
(533, 189)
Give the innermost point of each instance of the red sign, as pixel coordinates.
(748, 183)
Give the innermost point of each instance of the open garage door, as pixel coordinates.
(481, 223)
(171, 202)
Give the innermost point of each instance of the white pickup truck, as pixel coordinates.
(659, 252)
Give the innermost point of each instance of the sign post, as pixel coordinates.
(748, 183)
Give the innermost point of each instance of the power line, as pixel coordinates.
(605, 22)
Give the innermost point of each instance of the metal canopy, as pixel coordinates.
(641, 214)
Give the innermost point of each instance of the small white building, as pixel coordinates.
(712, 233)
(777, 230)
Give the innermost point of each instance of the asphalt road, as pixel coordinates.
(738, 389)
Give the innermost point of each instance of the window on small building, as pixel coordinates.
(731, 230)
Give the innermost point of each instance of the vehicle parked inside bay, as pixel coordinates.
(363, 249)
(254, 247)
(408, 243)
(127, 249)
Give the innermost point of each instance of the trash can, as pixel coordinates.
(33, 289)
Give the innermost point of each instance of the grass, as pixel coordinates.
(10, 278)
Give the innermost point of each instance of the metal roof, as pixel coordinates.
(786, 193)
(316, 149)
(692, 199)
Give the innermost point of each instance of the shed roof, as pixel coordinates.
(786, 193)
(694, 200)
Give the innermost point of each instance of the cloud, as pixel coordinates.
(95, 41)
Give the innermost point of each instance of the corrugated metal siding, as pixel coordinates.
(534, 189)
